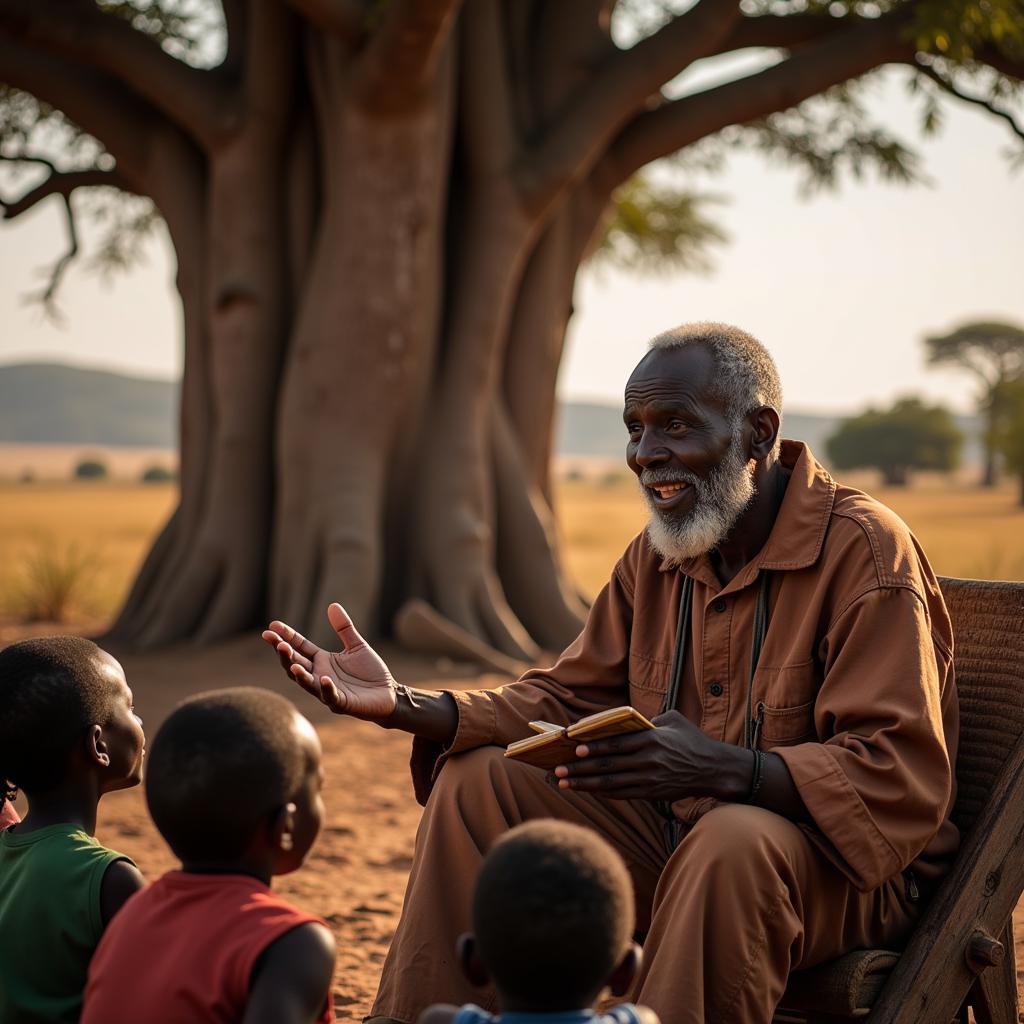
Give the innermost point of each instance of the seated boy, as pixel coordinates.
(552, 928)
(233, 784)
(68, 735)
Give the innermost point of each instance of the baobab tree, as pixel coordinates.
(378, 211)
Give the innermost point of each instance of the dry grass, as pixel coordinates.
(966, 531)
(109, 524)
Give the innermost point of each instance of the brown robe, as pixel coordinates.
(854, 690)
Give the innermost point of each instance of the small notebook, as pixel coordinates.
(555, 744)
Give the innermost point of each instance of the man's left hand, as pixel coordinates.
(672, 761)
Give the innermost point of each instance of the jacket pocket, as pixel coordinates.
(648, 684)
(785, 726)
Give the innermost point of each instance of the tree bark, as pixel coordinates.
(360, 357)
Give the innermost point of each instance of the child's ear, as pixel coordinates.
(468, 955)
(622, 977)
(282, 829)
(96, 747)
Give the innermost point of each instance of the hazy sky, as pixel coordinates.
(841, 287)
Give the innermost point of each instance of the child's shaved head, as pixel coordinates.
(219, 766)
(552, 913)
(51, 690)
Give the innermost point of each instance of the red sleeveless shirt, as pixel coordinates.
(184, 949)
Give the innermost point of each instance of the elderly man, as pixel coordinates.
(790, 640)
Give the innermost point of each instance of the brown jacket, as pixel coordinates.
(854, 686)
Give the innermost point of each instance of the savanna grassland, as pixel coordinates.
(92, 535)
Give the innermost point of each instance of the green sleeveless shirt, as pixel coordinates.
(50, 920)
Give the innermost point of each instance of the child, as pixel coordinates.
(552, 928)
(233, 784)
(68, 735)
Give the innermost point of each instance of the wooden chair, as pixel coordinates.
(961, 953)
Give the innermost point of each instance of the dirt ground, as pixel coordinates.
(355, 875)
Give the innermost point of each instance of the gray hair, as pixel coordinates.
(746, 376)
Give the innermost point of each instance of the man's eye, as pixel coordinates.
(634, 429)
(676, 425)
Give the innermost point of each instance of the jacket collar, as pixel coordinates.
(799, 531)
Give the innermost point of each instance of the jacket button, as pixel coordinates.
(715, 689)
(719, 605)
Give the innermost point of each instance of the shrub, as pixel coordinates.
(90, 469)
(52, 580)
(157, 475)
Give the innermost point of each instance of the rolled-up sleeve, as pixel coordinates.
(591, 675)
(878, 786)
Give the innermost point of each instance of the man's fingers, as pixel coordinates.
(304, 679)
(628, 743)
(331, 695)
(293, 657)
(342, 625)
(293, 637)
(598, 766)
(624, 786)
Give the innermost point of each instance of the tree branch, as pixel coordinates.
(485, 91)
(813, 69)
(80, 32)
(997, 59)
(402, 54)
(92, 100)
(343, 18)
(944, 83)
(782, 31)
(57, 183)
(591, 119)
(63, 184)
(236, 26)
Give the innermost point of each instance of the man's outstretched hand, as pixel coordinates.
(353, 681)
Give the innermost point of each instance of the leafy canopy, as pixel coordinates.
(909, 435)
(970, 49)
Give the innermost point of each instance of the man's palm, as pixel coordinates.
(353, 681)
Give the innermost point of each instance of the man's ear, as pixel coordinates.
(622, 977)
(282, 829)
(468, 955)
(96, 750)
(764, 429)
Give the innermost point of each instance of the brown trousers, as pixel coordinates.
(743, 899)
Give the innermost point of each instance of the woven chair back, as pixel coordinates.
(988, 631)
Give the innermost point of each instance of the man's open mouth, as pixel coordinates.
(666, 495)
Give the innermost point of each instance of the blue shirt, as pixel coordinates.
(625, 1013)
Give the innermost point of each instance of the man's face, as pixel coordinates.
(690, 457)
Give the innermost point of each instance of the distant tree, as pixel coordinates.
(90, 469)
(994, 354)
(910, 435)
(157, 475)
(1010, 439)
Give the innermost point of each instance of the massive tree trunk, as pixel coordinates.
(378, 216)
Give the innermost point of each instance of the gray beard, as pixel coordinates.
(719, 501)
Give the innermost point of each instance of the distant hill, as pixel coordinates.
(58, 404)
